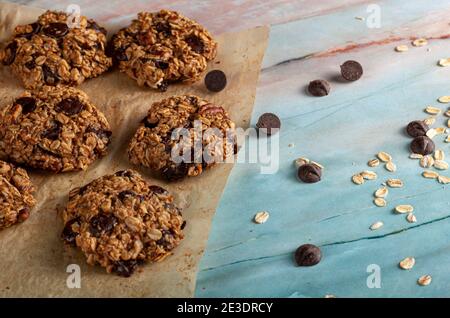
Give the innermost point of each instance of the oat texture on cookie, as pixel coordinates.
(53, 128)
(161, 48)
(16, 195)
(48, 51)
(120, 221)
(210, 139)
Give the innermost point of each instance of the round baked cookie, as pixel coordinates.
(159, 137)
(16, 195)
(55, 128)
(120, 221)
(48, 51)
(161, 48)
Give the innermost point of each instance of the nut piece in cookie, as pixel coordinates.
(49, 52)
(183, 135)
(16, 195)
(120, 221)
(161, 48)
(54, 128)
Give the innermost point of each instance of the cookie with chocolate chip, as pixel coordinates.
(54, 128)
(120, 221)
(182, 136)
(161, 48)
(16, 195)
(54, 51)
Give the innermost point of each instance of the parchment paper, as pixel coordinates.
(33, 259)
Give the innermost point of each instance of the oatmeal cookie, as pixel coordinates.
(16, 195)
(211, 137)
(161, 48)
(48, 51)
(120, 221)
(54, 128)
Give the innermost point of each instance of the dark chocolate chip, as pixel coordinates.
(10, 50)
(163, 86)
(195, 43)
(91, 24)
(173, 173)
(308, 255)
(101, 133)
(120, 54)
(215, 81)
(319, 88)
(422, 145)
(53, 132)
(24, 214)
(56, 29)
(30, 65)
(270, 122)
(158, 190)
(126, 194)
(102, 223)
(124, 173)
(183, 225)
(70, 106)
(35, 28)
(148, 124)
(161, 65)
(28, 104)
(163, 28)
(67, 234)
(417, 128)
(50, 77)
(351, 70)
(125, 268)
(309, 173)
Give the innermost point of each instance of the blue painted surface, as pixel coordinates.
(341, 131)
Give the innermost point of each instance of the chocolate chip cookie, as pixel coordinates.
(16, 195)
(120, 221)
(48, 51)
(183, 135)
(54, 128)
(161, 48)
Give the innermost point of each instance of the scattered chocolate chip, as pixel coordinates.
(351, 70)
(319, 88)
(308, 255)
(164, 28)
(68, 235)
(173, 173)
(183, 225)
(10, 51)
(195, 43)
(309, 173)
(125, 268)
(56, 29)
(158, 190)
(422, 145)
(50, 78)
(91, 24)
(30, 65)
(163, 86)
(35, 28)
(102, 223)
(28, 104)
(53, 132)
(215, 81)
(270, 122)
(161, 65)
(417, 128)
(70, 106)
(126, 194)
(123, 173)
(24, 214)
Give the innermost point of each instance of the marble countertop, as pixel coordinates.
(342, 131)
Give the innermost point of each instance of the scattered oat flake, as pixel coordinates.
(407, 263)
(447, 113)
(448, 123)
(317, 164)
(431, 133)
(432, 110)
(424, 280)
(444, 99)
(300, 162)
(390, 166)
(376, 225)
(420, 42)
(358, 179)
(404, 208)
(439, 154)
(401, 48)
(447, 139)
(359, 18)
(427, 161)
(395, 183)
(380, 202)
(411, 218)
(415, 156)
(429, 121)
(444, 62)
(384, 156)
(381, 192)
(330, 296)
(444, 179)
(373, 163)
(430, 174)
(441, 165)
(369, 175)
(261, 217)
(440, 130)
